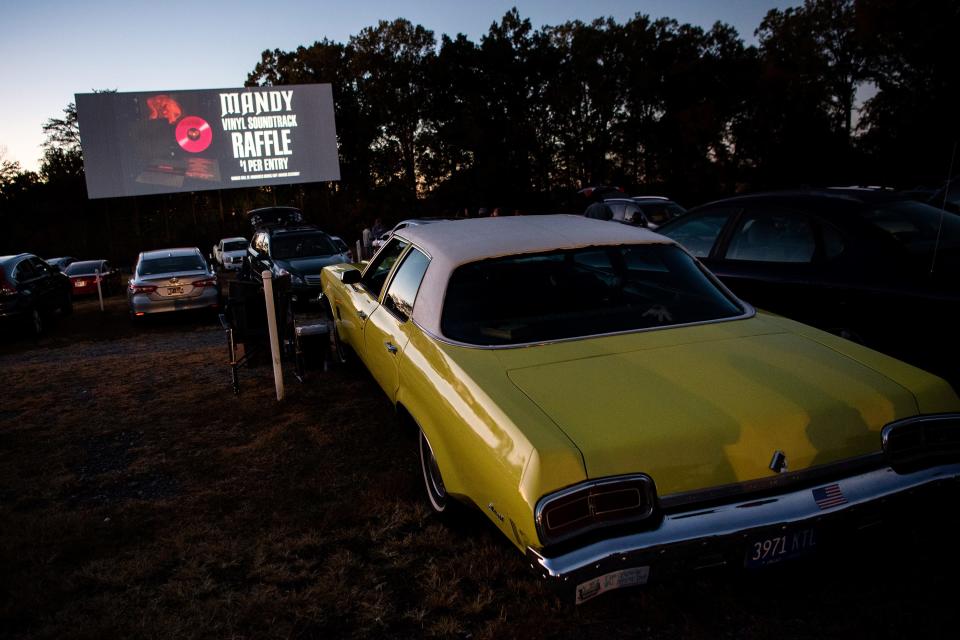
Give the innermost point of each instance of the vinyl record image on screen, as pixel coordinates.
(194, 134)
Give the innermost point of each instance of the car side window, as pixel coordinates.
(24, 271)
(699, 232)
(632, 214)
(376, 273)
(773, 236)
(617, 210)
(39, 266)
(402, 291)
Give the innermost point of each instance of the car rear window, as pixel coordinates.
(915, 224)
(301, 245)
(581, 292)
(171, 264)
(83, 268)
(236, 245)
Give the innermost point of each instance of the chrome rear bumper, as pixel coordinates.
(733, 525)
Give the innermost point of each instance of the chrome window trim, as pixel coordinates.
(649, 493)
(749, 313)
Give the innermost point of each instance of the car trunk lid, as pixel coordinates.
(700, 406)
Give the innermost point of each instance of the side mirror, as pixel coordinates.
(350, 276)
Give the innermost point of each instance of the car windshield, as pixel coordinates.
(235, 245)
(301, 245)
(915, 225)
(581, 292)
(171, 264)
(86, 268)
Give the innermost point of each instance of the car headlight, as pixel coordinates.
(595, 504)
(295, 279)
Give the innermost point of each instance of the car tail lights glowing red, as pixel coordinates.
(6, 287)
(142, 288)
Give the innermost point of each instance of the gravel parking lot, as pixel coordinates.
(140, 498)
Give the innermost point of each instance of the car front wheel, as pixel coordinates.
(436, 491)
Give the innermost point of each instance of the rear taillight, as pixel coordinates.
(142, 288)
(206, 282)
(593, 505)
(6, 287)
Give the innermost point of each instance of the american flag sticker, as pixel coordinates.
(829, 496)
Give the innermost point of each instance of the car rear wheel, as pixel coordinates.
(36, 322)
(436, 491)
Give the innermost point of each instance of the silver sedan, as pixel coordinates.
(172, 280)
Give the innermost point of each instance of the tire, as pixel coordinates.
(432, 480)
(35, 322)
(340, 352)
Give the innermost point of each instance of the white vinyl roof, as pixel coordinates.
(457, 242)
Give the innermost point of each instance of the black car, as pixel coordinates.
(283, 245)
(869, 265)
(31, 291)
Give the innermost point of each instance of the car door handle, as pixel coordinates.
(361, 315)
(392, 348)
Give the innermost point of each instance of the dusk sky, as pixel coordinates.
(56, 48)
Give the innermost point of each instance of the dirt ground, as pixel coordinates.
(139, 498)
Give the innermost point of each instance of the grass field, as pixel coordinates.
(140, 498)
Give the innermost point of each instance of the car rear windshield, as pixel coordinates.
(581, 292)
(235, 245)
(915, 225)
(83, 268)
(301, 245)
(171, 264)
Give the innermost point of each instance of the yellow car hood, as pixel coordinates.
(703, 406)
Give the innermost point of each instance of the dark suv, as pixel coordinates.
(31, 291)
(283, 245)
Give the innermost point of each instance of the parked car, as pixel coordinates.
(31, 291)
(342, 247)
(616, 412)
(403, 224)
(643, 211)
(61, 263)
(85, 274)
(296, 249)
(168, 280)
(857, 262)
(230, 252)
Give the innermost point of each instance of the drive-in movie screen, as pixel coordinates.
(514, 319)
(164, 141)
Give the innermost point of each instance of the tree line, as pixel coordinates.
(833, 92)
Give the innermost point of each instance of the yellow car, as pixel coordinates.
(616, 412)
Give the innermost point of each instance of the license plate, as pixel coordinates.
(763, 552)
(615, 580)
(174, 291)
(79, 283)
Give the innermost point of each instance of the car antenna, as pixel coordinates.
(943, 208)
